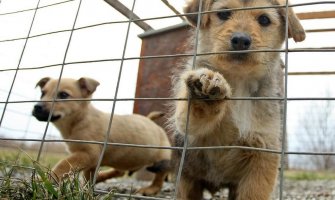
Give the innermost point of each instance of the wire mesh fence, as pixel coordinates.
(11, 100)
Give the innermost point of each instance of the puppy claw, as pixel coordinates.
(217, 82)
(202, 76)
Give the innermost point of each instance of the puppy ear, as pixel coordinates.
(295, 29)
(41, 83)
(87, 86)
(192, 6)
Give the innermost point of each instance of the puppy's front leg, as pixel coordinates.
(260, 178)
(75, 162)
(107, 174)
(190, 189)
(207, 89)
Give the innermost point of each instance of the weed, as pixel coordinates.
(40, 185)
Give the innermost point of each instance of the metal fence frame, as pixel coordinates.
(135, 19)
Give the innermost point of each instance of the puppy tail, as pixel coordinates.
(155, 115)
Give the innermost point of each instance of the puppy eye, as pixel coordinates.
(264, 20)
(63, 95)
(224, 15)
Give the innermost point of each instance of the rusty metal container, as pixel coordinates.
(154, 74)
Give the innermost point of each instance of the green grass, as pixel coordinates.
(39, 184)
(309, 175)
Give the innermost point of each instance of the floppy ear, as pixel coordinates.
(87, 86)
(41, 83)
(192, 6)
(295, 29)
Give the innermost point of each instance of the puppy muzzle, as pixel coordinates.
(240, 41)
(42, 114)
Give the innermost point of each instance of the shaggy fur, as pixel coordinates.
(213, 121)
(79, 120)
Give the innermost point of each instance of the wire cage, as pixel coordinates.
(134, 58)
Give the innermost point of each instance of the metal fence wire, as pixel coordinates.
(131, 22)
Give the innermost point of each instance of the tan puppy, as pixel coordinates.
(250, 175)
(79, 120)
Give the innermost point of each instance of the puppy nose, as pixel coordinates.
(38, 108)
(240, 41)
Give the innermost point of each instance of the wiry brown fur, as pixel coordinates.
(79, 120)
(249, 175)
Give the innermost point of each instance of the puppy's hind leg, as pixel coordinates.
(155, 186)
(161, 170)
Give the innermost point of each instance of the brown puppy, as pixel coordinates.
(79, 120)
(249, 175)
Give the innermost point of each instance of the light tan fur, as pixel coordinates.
(79, 120)
(249, 175)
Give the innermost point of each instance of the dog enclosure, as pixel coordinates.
(133, 52)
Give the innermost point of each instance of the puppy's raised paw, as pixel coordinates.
(205, 83)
